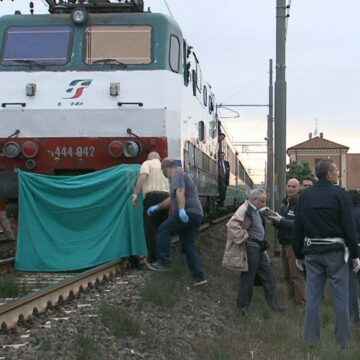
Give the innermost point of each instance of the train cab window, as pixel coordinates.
(174, 56)
(37, 45)
(122, 44)
(201, 129)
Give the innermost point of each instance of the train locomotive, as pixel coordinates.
(94, 84)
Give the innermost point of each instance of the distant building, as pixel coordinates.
(317, 148)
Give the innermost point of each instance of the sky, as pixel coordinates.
(234, 40)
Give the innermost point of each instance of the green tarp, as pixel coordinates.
(75, 222)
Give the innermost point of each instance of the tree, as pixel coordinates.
(298, 170)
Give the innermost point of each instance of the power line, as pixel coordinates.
(168, 9)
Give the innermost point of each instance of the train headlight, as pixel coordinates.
(79, 16)
(29, 149)
(11, 149)
(132, 149)
(115, 148)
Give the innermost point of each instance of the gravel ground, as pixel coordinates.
(160, 316)
(167, 318)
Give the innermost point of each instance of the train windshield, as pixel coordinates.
(42, 45)
(123, 44)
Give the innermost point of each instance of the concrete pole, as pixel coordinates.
(280, 104)
(270, 141)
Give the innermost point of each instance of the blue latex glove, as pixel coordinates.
(152, 210)
(183, 216)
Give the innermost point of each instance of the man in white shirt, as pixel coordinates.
(155, 188)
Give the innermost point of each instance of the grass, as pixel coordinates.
(46, 346)
(9, 287)
(86, 347)
(165, 288)
(119, 321)
(261, 336)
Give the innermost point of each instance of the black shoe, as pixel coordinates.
(156, 266)
(280, 309)
(244, 312)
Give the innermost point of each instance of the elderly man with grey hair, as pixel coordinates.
(245, 251)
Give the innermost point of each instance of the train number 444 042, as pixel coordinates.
(69, 151)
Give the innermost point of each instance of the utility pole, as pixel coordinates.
(280, 104)
(270, 141)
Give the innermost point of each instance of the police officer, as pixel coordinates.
(323, 231)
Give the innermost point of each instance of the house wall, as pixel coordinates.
(353, 174)
(313, 157)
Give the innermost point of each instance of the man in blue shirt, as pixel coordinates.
(186, 220)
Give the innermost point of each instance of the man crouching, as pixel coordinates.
(245, 251)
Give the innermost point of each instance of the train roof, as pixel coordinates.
(148, 18)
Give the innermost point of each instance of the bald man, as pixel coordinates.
(284, 223)
(156, 188)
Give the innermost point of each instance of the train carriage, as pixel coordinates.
(96, 84)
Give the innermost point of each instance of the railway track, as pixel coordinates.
(23, 309)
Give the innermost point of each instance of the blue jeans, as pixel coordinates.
(187, 233)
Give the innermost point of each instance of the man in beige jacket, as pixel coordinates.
(245, 251)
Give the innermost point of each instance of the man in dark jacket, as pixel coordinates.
(323, 231)
(284, 223)
(224, 177)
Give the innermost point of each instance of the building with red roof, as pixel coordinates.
(317, 148)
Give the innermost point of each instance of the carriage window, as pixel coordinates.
(205, 95)
(124, 44)
(44, 45)
(201, 128)
(174, 54)
(199, 77)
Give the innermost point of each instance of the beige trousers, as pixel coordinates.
(294, 277)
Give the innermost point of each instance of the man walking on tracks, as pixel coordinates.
(245, 251)
(324, 233)
(186, 220)
(155, 187)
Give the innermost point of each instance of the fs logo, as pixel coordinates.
(76, 88)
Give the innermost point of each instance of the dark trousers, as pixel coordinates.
(353, 295)
(152, 223)
(259, 265)
(321, 267)
(222, 191)
(187, 233)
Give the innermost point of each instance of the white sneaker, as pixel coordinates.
(200, 282)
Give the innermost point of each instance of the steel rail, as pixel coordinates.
(22, 309)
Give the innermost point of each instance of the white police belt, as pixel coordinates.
(329, 241)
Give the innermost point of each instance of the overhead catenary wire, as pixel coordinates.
(168, 8)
